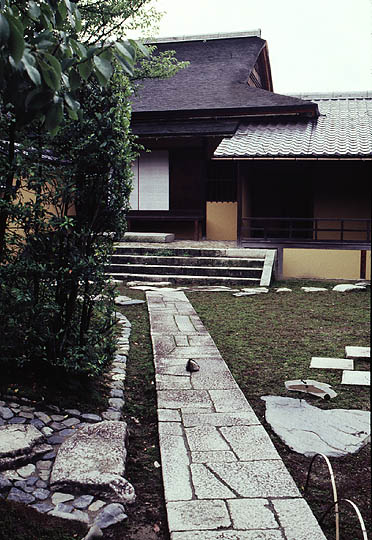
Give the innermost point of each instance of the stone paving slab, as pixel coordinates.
(356, 378)
(221, 472)
(331, 363)
(358, 352)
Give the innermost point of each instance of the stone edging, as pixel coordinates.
(28, 479)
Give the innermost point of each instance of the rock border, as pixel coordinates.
(29, 482)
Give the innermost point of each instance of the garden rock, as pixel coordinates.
(314, 289)
(127, 301)
(18, 443)
(112, 514)
(348, 287)
(92, 461)
(309, 430)
(309, 386)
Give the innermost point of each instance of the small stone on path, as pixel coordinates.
(112, 514)
(314, 289)
(356, 378)
(348, 287)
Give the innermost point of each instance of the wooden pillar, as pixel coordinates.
(239, 194)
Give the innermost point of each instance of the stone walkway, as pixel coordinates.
(223, 478)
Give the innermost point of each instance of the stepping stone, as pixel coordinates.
(313, 289)
(331, 363)
(309, 430)
(148, 237)
(358, 378)
(19, 443)
(358, 352)
(348, 287)
(92, 461)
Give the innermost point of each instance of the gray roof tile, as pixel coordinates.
(344, 128)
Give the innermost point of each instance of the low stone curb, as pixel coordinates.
(28, 481)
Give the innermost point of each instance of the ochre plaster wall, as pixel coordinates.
(323, 263)
(222, 220)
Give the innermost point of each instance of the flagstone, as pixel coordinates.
(175, 399)
(271, 534)
(358, 352)
(356, 378)
(212, 456)
(240, 418)
(229, 400)
(197, 515)
(297, 520)
(175, 468)
(252, 514)
(331, 363)
(207, 485)
(205, 438)
(168, 382)
(250, 442)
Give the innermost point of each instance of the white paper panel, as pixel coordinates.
(154, 180)
(133, 198)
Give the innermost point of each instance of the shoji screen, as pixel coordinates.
(151, 181)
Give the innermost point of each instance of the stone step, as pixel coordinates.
(188, 279)
(244, 253)
(187, 270)
(187, 261)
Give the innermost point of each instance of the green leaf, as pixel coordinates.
(85, 69)
(71, 102)
(32, 72)
(50, 76)
(4, 29)
(33, 10)
(62, 8)
(142, 48)
(128, 67)
(101, 79)
(16, 41)
(52, 60)
(54, 116)
(103, 66)
(37, 99)
(79, 48)
(74, 79)
(123, 51)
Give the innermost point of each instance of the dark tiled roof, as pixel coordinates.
(215, 80)
(344, 128)
(223, 127)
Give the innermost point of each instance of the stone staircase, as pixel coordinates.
(203, 266)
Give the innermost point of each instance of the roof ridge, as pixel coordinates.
(205, 37)
(355, 94)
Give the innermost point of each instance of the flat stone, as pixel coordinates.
(297, 520)
(309, 430)
(47, 431)
(4, 482)
(73, 412)
(331, 363)
(59, 497)
(250, 442)
(88, 417)
(43, 507)
(357, 378)
(211, 456)
(43, 417)
(209, 379)
(92, 460)
(37, 423)
(357, 352)
(57, 417)
(83, 502)
(17, 420)
(283, 289)
(113, 513)
(205, 438)
(69, 516)
(252, 514)
(314, 289)
(255, 290)
(26, 471)
(175, 468)
(56, 439)
(21, 484)
(17, 441)
(80, 516)
(148, 237)
(97, 505)
(241, 418)
(44, 464)
(17, 495)
(347, 287)
(270, 534)
(170, 382)
(63, 507)
(168, 415)
(41, 493)
(116, 403)
(231, 400)
(207, 485)
(175, 399)
(265, 478)
(170, 428)
(126, 301)
(69, 422)
(111, 415)
(197, 515)
(6, 413)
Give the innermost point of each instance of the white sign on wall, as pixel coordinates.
(150, 181)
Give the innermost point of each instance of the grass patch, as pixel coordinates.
(270, 338)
